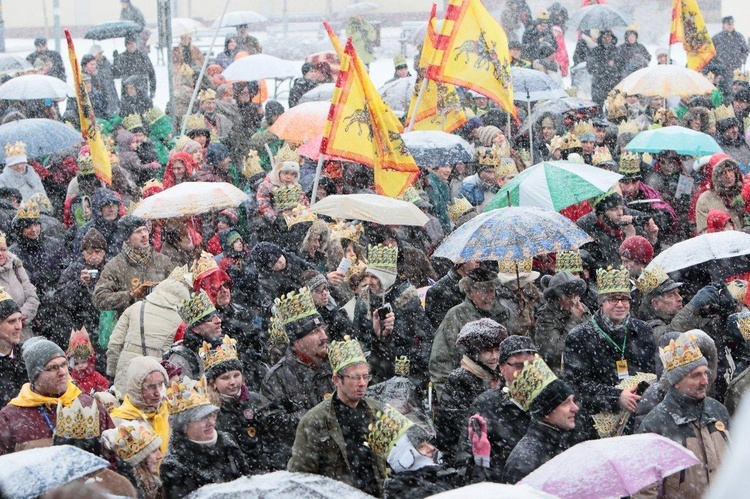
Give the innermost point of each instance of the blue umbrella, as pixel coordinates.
(434, 148)
(41, 136)
(511, 234)
(674, 138)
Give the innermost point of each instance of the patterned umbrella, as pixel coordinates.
(511, 234)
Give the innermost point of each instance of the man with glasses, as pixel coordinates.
(29, 420)
(330, 436)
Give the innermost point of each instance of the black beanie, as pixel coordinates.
(265, 254)
(296, 330)
(128, 224)
(610, 201)
(550, 397)
(8, 307)
(223, 367)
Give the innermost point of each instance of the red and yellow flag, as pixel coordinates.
(471, 51)
(689, 28)
(362, 128)
(89, 129)
(337, 47)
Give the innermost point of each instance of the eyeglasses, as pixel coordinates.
(153, 387)
(57, 367)
(618, 299)
(358, 377)
(516, 365)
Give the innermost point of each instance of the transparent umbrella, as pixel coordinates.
(33, 87)
(240, 17)
(41, 136)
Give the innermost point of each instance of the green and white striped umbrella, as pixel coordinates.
(554, 185)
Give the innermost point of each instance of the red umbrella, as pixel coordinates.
(311, 149)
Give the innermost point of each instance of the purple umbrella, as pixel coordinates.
(611, 467)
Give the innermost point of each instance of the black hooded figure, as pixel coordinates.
(606, 66)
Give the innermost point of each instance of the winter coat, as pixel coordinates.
(300, 87)
(189, 466)
(320, 448)
(606, 65)
(186, 54)
(104, 81)
(337, 322)
(27, 183)
(248, 44)
(731, 49)
(736, 391)
(606, 242)
(541, 443)
(58, 68)
(106, 228)
(737, 149)
(700, 426)
(552, 326)
(292, 388)
(243, 418)
(77, 299)
(44, 260)
(15, 280)
(135, 64)
(476, 191)
(12, 374)
(239, 324)
(634, 56)
(712, 200)
(533, 40)
(440, 197)
(443, 296)
(273, 284)
(424, 482)
(686, 319)
(7, 213)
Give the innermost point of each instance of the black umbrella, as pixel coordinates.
(112, 29)
(599, 17)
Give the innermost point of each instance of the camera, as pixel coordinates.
(93, 273)
(384, 311)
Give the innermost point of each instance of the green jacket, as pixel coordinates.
(440, 197)
(363, 36)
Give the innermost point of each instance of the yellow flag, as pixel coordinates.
(337, 47)
(471, 51)
(689, 28)
(362, 128)
(89, 130)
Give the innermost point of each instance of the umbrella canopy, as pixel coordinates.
(511, 234)
(397, 94)
(12, 63)
(554, 185)
(707, 248)
(433, 148)
(311, 149)
(190, 198)
(238, 18)
(358, 8)
(184, 26)
(488, 489)
(675, 138)
(371, 208)
(599, 16)
(560, 106)
(280, 485)
(611, 467)
(666, 80)
(302, 122)
(112, 29)
(260, 66)
(530, 85)
(321, 93)
(32, 87)
(41, 136)
(30, 473)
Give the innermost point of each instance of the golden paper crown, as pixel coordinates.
(185, 70)
(662, 115)
(389, 426)
(403, 366)
(681, 352)
(17, 149)
(342, 230)
(650, 279)
(743, 324)
(601, 155)
(77, 422)
(738, 290)
(206, 94)
(525, 156)
(355, 268)
(506, 168)
(196, 308)
(613, 280)
(43, 201)
(294, 306)
(509, 266)
(570, 141)
(152, 183)
(132, 121)
(109, 143)
(740, 75)
(382, 257)
(582, 128)
(629, 126)
(4, 295)
(608, 424)
(724, 112)
(299, 214)
(343, 354)
(530, 382)
(194, 122)
(203, 265)
(543, 15)
(79, 344)
(130, 438)
(252, 164)
(152, 115)
(555, 143)
(28, 211)
(276, 333)
(85, 164)
(287, 197)
(616, 106)
(225, 352)
(180, 272)
(568, 261)
(187, 395)
(487, 156)
(287, 153)
(630, 163)
(632, 27)
(458, 208)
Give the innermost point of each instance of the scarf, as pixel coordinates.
(608, 326)
(479, 371)
(486, 186)
(138, 257)
(28, 398)
(159, 419)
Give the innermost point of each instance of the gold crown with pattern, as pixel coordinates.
(17, 149)
(724, 112)
(582, 128)
(681, 352)
(187, 394)
(225, 352)
(287, 197)
(185, 70)
(196, 308)
(663, 115)
(555, 143)
(568, 261)
(152, 183)
(342, 230)
(130, 438)
(252, 164)
(382, 257)
(109, 143)
(570, 141)
(389, 426)
(601, 155)
(194, 122)
(180, 272)
(509, 266)
(43, 201)
(85, 164)
(342, 354)
(616, 106)
(152, 115)
(506, 168)
(276, 333)
(402, 366)
(203, 265)
(486, 156)
(630, 163)
(743, 324)
(294, 306)
(650, 279)
(530, 382)
(739, 75)
(355, 268)
(79, 344)
(458, 208)
(612, 280)
(410, 195)
(608, 424)
(286, 153)
(206, 94)
(77, 422)
(299, 214)
(132, 121)
(736, 288)
(629, 126)
(28, 211)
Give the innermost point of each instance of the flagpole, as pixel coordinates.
(318, 171)
(419, 102)
(531, 133)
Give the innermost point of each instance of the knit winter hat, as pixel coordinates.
(266, 254)
(37, 352)
(515, 344)
(139, 369)
(612, 200)
(680, 357)
(550, 397)
(216, 153)
(486, 133)
(638, 249)
(274, 109)
(479, 335)
(129, 224)
(716, 220)
(8, 305)
(93, 240)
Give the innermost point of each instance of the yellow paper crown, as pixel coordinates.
(187, 394)
(203, 265)
(737, 288)
(403, 366)
(287, 197)
(650, 279)
(28, 211)
(382, 257)
(299, 214)
(17, 149)
(152, 183)
(132, 121)
(185, 70)
(530, 382)
(509, 266)
(43, 201)
(276, 333)
(85, 164)
(568, 261)
(355, 268)
(206, 94)
(582, 128)
(616, 106)
(487, 156)
(195, 122)
(4, 295)
(543, 15)
(555, 143)
(724, 112)
(196, 308)
(613, 280)
(79, 344)
(629, 126)
(225, 352)
(632, 27)
(506, 168)
(389, 426)
(130, 438)
(287, 153)
(607, 424)
(109, 143)
(601, 155)
(342, 230)
(152, 115)
(252, 164)
(662, 115)
(294, 306)
(343, 354)
(569, 142)
(458, 208)
(77, 422)
(743, 324)
(630, 163)
(681, 352)
(740, 75)
(179, 273)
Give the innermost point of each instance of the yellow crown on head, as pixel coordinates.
(132, 121)
(343, 354)
(342, 230)
(287, 153)
(570, 141)
(487, 156)
(601, 155)
(180, 272)
(196, 308)
(530, 382)
(612, 280)
(555, 143)
(17, 149)
(76, 421)
(130, 438)
(663, 115)
(743, 324)
(630, 163)
(616, 106)
(355, 268)
(736, 288)
(152, 115)
(572, 91)
(739, 75)
(389, 426)
(203, 265)
(402, 366)
(458, 208)
(85, 164)
(185, 70)
(28, 211)
(287, 197)
(45, 205)
(187, 394)
(382, 257)
(509, 266)
(4, 295)
(582, 128)
(724, 112)
(276, 333)
(252, 164)
(206, 94)
(152, 183)
(194, 122)
(294, 306)
(225, 352)
(632, 27)
(506, 168)
(629, 126)
(568, 261)
(681, 352)
(299, 214)
(650, 279)
(109, 143)
(543, 15)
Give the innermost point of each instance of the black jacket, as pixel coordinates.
(424, 482)
(301, 87)
(239, 323)
(443, 296)
(12, 375)
(58, 68)
(606, 66)
(541, 443)
(136, 63)
(76, 299)
(244, 419)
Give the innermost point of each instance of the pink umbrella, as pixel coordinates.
(311, 149)
(611, 467)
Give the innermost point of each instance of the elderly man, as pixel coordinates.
(444, 294)
(17, 173)
(41, 50)
(330, 436)
(203, 326)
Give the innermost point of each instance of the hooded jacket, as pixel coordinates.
(717, 198)
(606, 66)
(106, 228)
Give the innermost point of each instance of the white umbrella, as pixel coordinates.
(239, 17)
(261, 66)
(713, 247)
(358, 8)
(31, 87)
(397, 93)
(321, 93)
(190, 198)
(371, 208)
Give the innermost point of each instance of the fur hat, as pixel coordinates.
(478, 276)
(479, 335)
(93, 240)
(562, 284)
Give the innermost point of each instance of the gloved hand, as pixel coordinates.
(726, 303)
(705, 296)
(480, 444)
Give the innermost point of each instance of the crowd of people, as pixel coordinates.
(196, 350)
